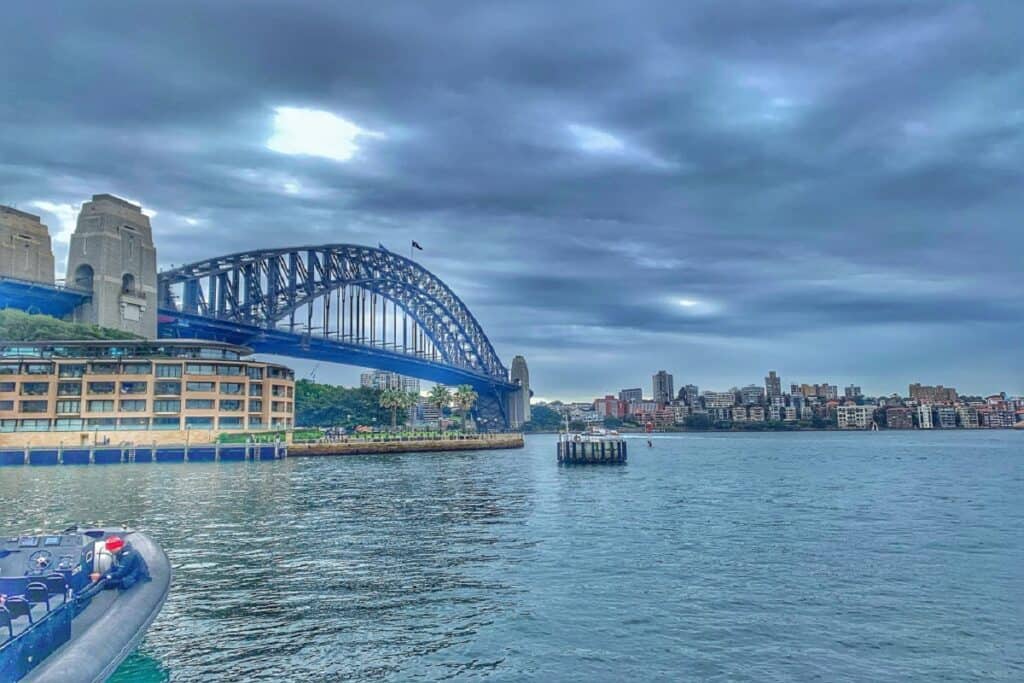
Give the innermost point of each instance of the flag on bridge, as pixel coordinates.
(417, 245)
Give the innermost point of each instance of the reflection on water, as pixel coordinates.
(775, 556)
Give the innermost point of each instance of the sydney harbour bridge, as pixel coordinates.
(335, 303)
(338, 303)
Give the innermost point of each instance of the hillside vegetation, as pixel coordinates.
(20, 326)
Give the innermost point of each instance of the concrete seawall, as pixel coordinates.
(492, 442)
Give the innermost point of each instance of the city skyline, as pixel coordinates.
(829, 190)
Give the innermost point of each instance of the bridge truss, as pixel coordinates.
(340, 303)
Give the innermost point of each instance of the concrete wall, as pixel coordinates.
(113, 242)
(25, 249)
(359, 447)
(116, 438)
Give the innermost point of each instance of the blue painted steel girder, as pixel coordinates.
(37, 297)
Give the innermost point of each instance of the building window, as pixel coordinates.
(9, 369)
(278, 390)
(8, 425)
(128, 280)
(166, 406)
(133, 423)
(200, 369)
(278, 406)
(255, 422)
(65, 407)
(34, 425)
(255, 389)
(199, 422)
(138, 368)
(231, 405)
(167, 389)
(38, 368)
(168, 371)
(99, 406)
(103, 368)
(133, 406)
(101, 387)
(200, 386)
(101, 423)
(69, 388)
(231, 423)
(230, 388)
(229, 370)
(35, 388)
(6, 387)
(71, 370)
(254, 373)
(255, 405)
(68, 424)
(34, 406)
(166, 423)
(6, 405)
(134, 387)
(199, 404)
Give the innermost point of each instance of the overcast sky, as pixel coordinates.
(829, 189)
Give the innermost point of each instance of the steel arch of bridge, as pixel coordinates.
(261, 289)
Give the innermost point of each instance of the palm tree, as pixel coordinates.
(440, 398)
(464, 399)
(409, 399)
(393, 400)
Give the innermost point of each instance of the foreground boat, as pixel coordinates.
(75, 604)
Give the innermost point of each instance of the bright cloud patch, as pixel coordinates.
(595, 140)
(315, 133)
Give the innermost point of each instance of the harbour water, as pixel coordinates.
(801, 556)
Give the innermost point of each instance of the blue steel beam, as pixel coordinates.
(36, 297)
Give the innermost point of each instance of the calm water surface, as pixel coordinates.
(709, 557)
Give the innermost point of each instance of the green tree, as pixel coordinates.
(393, 400)
(440, 398)
(612, 422)
(325, 405)
(464, 399)
(19, 326)
(543, 419)
(699, 422)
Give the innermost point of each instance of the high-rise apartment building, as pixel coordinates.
(663, 391)
(852, 392)
(690, 394)
(630, 395)
(383, 380)
(772, 385)
(752, 395)
(932, 394)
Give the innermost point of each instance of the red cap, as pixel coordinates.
(115, 544)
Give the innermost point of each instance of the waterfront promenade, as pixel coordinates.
(407, 444)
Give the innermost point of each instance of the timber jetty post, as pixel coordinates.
(591, 449)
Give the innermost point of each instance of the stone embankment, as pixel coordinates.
(364, 447)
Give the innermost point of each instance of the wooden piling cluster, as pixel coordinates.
(591, 451)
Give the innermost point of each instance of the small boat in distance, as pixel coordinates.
(73, 605)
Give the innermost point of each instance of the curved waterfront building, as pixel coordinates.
(79, 392)
(519, 410)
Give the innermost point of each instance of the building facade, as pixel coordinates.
(663, 390)
(25, 249)
(773, 385)
(932, 394)
(924, 417)
(854, 417)
(899, 418)
(630, 395)
(112, 255)
(81, 391)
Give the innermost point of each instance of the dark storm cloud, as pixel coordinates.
(714, 188)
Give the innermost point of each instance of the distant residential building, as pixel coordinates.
(932, 394)
(664, 416)
(924, 416)
(720, 414)
(852, 392)
(681, 411)
(663, 391)
(854, 417)
(944, 417)
(719, 399)
(382, 380)
(629, 395)
(772, 385)
(967, 417)
(609, 406)
(775, 413)
(755, 414)
(997, 419)
(690, 394)
(789, 414)
(829, 392)
(752, 395)
(739, 414)
(899, 418)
